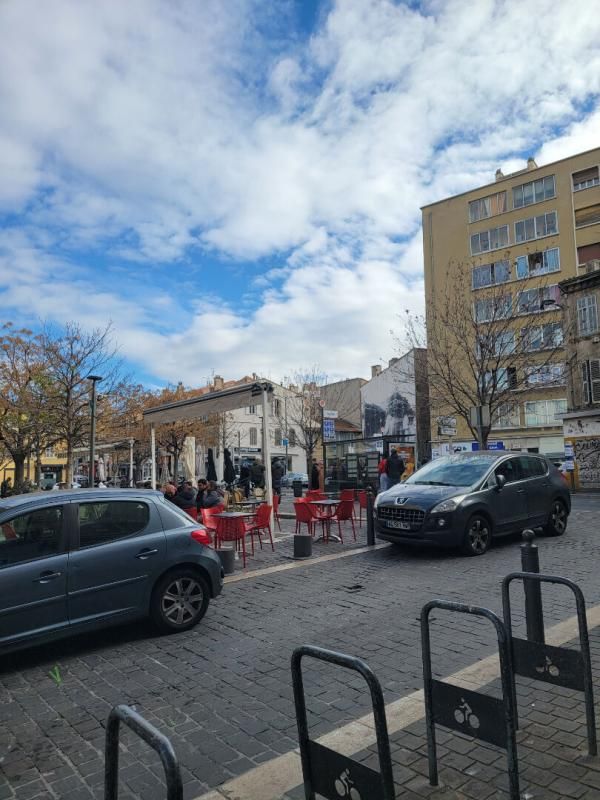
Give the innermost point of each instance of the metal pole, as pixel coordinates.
(266, 450)
(534, 615)
(131, 441)
(153, 456)
(91, 476)
(323, 445)
(370, 520)
(287, 433)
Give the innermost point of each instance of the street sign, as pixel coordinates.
(446, 426)
(285, 442)
(322, 403)
(329, 414)
(328, 429)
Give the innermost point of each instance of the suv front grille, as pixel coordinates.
(414, 516)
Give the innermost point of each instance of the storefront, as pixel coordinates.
(582, 448)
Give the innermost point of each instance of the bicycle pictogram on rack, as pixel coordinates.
(464, 715)
(344, 786)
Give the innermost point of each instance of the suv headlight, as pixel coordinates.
(451, 504)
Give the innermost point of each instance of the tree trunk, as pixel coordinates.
(19, 460)
(38, 467)
(175, 465)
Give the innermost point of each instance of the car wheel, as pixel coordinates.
(179, 600)
(557, 522)
(478, 536)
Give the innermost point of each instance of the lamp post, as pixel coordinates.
(94, 379)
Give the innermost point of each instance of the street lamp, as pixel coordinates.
(94, 379)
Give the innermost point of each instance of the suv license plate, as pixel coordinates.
(395, 523)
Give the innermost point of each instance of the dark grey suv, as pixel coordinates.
(466, 499)
(79, 560)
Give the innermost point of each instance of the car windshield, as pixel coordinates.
(453, 471)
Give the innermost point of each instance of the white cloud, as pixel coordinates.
(151, 131)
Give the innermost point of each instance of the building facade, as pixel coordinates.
(516, 239)
(581, 423)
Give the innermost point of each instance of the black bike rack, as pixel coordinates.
(468, 712)
(151, 736)
(327, 772)
(561, 666)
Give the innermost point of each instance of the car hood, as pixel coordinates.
(423, 497)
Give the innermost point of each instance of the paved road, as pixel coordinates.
(223, 692)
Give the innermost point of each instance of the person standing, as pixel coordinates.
(384, 481)
(245, 479)
(315, 476)
(6, 487)
(395, 468)
(257, 473)
(276, 476)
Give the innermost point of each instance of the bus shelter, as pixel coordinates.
(221, 402)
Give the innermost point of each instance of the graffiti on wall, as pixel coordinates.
(587, 459)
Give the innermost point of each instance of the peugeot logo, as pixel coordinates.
(401, 500)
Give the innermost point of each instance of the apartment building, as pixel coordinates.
(517, 238)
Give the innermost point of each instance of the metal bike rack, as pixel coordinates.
(327, 772)
(472, 713)
(151, 736)
(560, 666)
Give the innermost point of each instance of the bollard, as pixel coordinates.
(534, 614)
(370, 520)
(227, 556)
(302, 545)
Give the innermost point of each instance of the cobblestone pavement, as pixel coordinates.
(222, 692)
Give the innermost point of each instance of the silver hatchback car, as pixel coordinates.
(75, 561)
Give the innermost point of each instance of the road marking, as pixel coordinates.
(303, 563)
(271, 780)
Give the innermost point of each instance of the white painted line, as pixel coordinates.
(255, 573)
(271, 780)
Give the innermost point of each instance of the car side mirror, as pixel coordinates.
(500, 482)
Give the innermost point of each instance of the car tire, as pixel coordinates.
(179, 600)
(557, 521)
(478, 536)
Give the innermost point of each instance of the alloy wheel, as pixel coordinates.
(479, 536)
(559, 517)
(182, 601)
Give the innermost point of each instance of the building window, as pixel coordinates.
(542, 337)
(489, 309)
(585, 178)
(587, 315)
(251, 410)
(499, 380)
(536, 227)
(538, 263)
(587, 216)
(545, 375)
(49, 451)
(491, 274)
(590, 374)
(534, 192)
(276, 407)
(277, 437)
(506, 416)
(493, 239)
(487, 206)
(587, 253)
(292, 437)
(539, 413)
(253, 437)
(530, 301)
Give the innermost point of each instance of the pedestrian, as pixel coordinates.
(6, 487)
(257, 473)
(169, 492)
(315, 476)
(394, 468)
(185, 498)
(201, 493)
(384, 481)
(212, 497)
(245, 479)
(277, 472)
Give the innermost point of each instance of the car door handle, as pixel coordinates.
(46, 577)
(143, 554)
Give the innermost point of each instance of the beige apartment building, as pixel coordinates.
(522, 235)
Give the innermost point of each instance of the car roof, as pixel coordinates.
(18, 500)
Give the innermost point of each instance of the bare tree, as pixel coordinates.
(72, 355)
(481, 356)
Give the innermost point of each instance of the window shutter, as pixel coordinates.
(595, 376)
(584, 383)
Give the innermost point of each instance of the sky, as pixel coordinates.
(236, 184)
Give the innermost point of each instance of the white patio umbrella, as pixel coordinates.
(188, 455)
(101, 472)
